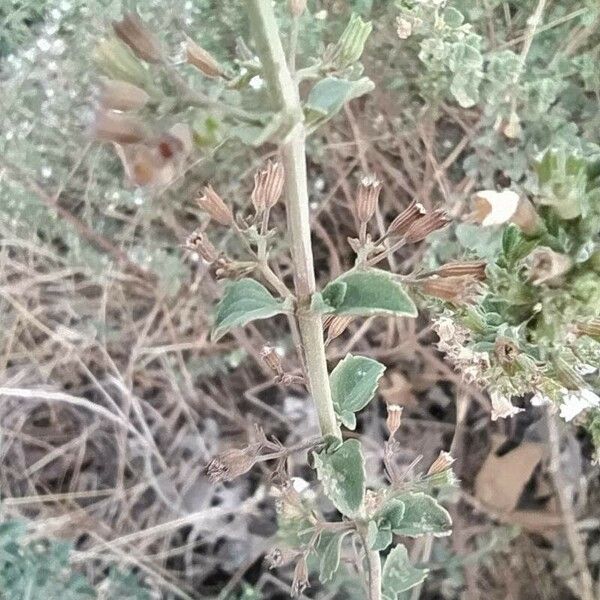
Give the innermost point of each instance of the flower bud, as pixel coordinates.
(400, 225)
(475, 269)
(394, 418)
(198, 242)
(202, 60)
(133, 31)
(336, 325)
(421, 228)
(297, 7)
(232, 463)
(116, 60)
(121, 95)
(268, 185)
(367, 198)
(350, 46)
(215, 207)
(546, 266)
(109, 126)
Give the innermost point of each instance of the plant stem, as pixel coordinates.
(373, 560)
(293, 155)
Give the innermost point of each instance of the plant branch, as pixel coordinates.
(373, 560)
(293, 155)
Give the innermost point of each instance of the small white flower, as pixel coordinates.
(256, 82)
(495, 208)
(539, 399)
(321, 15)
(575, 402)
(502, 407)
(299, 484)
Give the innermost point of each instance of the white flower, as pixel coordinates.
(574, 402)
(502, 407)
(539, 399)
(495, 208)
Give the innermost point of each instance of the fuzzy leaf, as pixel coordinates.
(244, 301)
(422, 514)
(399, 575)
(342, 473)
(368, 292)
(330, 560)
(378, 537)
(329, 95)
(353, 384)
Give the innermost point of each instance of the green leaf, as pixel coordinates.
(342, 473)
(422, 515)
(329, 95)
(330, 560)
(353, 384)
(379, 537)
(368, 292)
(244, 301)
(399, 575)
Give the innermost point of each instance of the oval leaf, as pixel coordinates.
(329, 95)
(342, 473)
(244, 301)
(353, 384)
(379, 537)
(368, 292)
(330, 560)
(422, 514)
(399, 575)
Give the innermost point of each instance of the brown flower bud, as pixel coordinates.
(109, 126)
(421, 228)
(202, 60)
(300, 581)
(268, 185)
(120, 95)
(394, 418)
(198, 242)
(546, 266)
(297, 7)
(232, 463)
(367, 198)
(400, 225)
(133, 31)
(215, 207)
(271, 359)
(474, 269)
(442, 463)
(457, 290)
(336, 325)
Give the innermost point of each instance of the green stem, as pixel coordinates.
(293, 155)
(373, 560)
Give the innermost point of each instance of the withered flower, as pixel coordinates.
(134, 32)
(268, 185)
(202, 60)
(109, 126)
(215, 206)
(442, 463)
(336, 325)
(300, 581)
(367, 197)
(458, 290)
(394, 418)
(506, 352)
(121, 95)
(547, 266)
(421, 228)
(400, 225)
(475, 269)
(198, 242)
(232, 463)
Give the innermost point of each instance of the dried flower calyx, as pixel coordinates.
(211, 203)
(401, 224)
(121, 95)
(427, 224)
(198, 242)
(268, 185)
(456, 289)
(134, 32)
(367, 198)
(202, 60)
(232, 463)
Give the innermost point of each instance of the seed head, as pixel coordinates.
(367, 198)
(211, 203)
(300, 581)
(475, 269)
(198, 242)
(400, 225)
(268, 185)
(202, 60)
(394, 418)
(134, 32)
(422, 227)
(458, 290)
(109, 126)
(120, 95)
(232, 463)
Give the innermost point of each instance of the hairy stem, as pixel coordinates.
(293, 155)
(373, 561)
